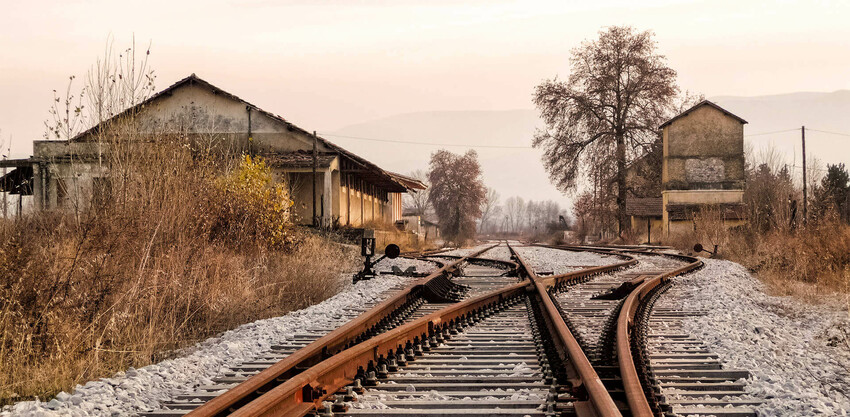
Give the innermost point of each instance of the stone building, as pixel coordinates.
(350, 189)
(702, 166)
(646, 218)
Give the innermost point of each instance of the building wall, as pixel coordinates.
(639, 228)
(703, 163)
(217, 121)
(703, 150)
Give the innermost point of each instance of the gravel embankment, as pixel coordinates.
(138, 390)
(798, 354)
(560, 261)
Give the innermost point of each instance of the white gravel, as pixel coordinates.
(798, 354)
(499, 253)
(139, 390)
(560, 261)
(386, 265)
(466, 251)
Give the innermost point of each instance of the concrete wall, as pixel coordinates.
(703, 150)
(639, 228)
(703, 163)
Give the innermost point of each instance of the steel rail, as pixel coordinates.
(316, 351)
(599, 401)
(635, 392)
(306, 391)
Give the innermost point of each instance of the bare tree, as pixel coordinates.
(489, 209)
(456, 193)
(515, 211)
(417, 202)
(618, 93)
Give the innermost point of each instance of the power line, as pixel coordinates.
(458, 145)
(828, 132)
(776, 131)
(426, 143)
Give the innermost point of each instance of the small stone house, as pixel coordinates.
(646, 216)
(702, 166)
(349, 189)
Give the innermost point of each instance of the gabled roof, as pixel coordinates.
(385, 176)
(645, 207)
(409, 182)
(700, 104)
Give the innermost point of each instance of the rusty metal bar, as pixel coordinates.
(635, 394)
(602, 405)
(326, 378)
(315, 352)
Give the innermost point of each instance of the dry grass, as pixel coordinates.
(169, 260)
(807, 262)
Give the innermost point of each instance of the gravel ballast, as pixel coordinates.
(140, 390)
(797, 354)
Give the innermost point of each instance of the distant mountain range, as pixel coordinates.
(519, 171)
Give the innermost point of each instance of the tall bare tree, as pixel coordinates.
(489, 208)
(618, 93)
(417, 202)
(515, 210)
(457, 191)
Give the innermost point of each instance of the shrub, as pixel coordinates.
(183, 249)
(248, 203)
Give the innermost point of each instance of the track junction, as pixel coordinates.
(487, 334)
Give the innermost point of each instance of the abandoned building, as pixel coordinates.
(418, 224)
(702, 167)
(349, 189)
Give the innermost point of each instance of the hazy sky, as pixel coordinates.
(327, 64)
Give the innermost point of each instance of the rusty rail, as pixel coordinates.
(314, 353)
(599, 402)
(635, 391)
(307, 390)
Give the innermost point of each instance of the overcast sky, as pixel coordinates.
(327, 64)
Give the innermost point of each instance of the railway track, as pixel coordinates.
(490, 337)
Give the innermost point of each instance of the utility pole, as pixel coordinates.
(315, 168)
(805, 195)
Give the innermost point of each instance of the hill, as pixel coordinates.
(519, 171)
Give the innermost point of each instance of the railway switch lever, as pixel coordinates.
(367, 249)
(698, 248)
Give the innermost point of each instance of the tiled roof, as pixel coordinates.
(298, 159)
(646, 207)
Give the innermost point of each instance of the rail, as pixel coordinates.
(314, 353)
(635, 392)
(599, 401)
(307, 390)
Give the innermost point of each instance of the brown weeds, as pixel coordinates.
(168, 260)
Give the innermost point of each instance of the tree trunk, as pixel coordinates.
(622, 219)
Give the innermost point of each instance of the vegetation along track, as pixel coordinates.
(583, 343)
(244, 382)
(642, 352)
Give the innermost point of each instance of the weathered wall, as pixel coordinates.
(204, 115)
(703, 163)
(639, 228)
(703, 150)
